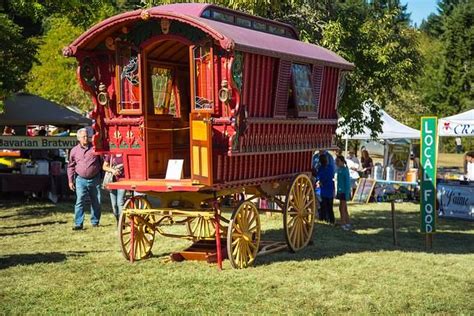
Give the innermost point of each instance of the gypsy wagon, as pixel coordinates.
(238, 100)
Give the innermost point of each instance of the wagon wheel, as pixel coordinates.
(243, 235)
(298, 216)
(200, 227)
(144, 232)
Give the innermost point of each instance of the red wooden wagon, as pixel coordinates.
(238, 98)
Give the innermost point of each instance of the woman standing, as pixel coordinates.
(367, 163)
(325, 178)
(114, 164)
(343, 191)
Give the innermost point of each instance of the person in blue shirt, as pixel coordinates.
(325, 181)
(343, 191)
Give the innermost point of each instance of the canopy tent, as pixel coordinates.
(29, 109)
(391, 129)
(461, 124)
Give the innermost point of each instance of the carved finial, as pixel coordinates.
(145, 15)
(67, 51)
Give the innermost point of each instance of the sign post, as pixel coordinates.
(429, 152)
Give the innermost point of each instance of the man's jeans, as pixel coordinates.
(87, 191)
(117, 200)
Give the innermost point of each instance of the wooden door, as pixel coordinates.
(201, 148)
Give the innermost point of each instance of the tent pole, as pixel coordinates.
(345, 149)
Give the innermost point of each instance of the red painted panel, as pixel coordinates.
(329, 93)
(134, 167)
(317, 78)
(281, 93)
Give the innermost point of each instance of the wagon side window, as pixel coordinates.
(203, 85)
(302, 91)
(128, 80)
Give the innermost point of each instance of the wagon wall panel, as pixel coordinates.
(282, 88)
(258, 79)
(328, 93)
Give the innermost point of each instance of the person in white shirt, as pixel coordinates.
(353, 164)
(458, 145)
(469, 166)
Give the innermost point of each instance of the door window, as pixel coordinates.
(203, 78)
(128, 80)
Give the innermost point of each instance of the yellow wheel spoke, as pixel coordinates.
(243, 235)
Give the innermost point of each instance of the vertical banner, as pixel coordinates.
(428, 152)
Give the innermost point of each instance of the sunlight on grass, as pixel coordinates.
(45, 267)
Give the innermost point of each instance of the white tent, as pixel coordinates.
(461, 124)
(391, 129)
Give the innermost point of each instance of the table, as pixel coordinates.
(44, 184)
(380, 184)
(455, 199)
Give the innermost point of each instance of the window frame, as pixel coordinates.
(118, 84)
(303, 112)
(195, 81)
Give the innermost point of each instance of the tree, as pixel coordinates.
(379, 41)
(54, 77)
(16, 54)
(458, 38)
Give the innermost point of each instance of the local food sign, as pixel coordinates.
(37, 142)
(429, 151)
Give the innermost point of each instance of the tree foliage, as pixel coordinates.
(378, 40)
(54, 78)
(16, 56)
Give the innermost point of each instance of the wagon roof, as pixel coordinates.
(228, 36)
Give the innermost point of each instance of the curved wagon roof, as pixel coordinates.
(229, 36)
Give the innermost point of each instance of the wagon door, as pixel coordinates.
(202, 91)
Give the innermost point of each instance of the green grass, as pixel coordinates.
(45, 267)
(450, 160)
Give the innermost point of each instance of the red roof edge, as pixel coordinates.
(144, 14)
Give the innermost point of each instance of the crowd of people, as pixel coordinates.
(337, 179)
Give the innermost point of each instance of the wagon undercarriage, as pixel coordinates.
(221, 221)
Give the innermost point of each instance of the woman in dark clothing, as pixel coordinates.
(325, 178)
(367, 163)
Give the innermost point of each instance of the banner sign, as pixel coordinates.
(428, 153)
(37, 142)
(456, 200)
(452, 128)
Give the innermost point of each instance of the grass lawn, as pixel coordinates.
(45, 267)
(451, 160)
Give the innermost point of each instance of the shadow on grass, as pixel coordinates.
(19, 233)
(34, 258)
(372, 233)
(34, 224)
(27, 209)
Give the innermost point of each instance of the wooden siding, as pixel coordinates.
(327, 109)
(258, 79)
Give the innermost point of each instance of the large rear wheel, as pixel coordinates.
(299, 214)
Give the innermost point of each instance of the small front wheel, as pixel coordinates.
(143, 230)
(243, 236)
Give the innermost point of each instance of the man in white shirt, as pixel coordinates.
(470, 166)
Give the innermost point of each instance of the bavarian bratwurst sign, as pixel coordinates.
(429, 151)
(37, 142)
